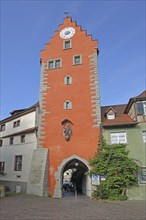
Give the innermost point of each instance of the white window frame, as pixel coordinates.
(2, 127)
(67, 105)
(118, 137)
(64, 44)
(144, 107)
(74, 57)
(22, 138)
(144, 136)
(68, 80)
(143, 175)
(16, 123)
(110, 116)
(18, 163)
(11, 140)
(54, 61)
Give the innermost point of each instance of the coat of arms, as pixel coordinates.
(67, 129)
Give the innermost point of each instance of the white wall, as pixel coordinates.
(26, 121)
(8, 152)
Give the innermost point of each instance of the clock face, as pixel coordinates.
(67, 33)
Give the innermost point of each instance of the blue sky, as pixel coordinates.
(26, 27)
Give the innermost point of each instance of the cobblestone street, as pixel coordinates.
(26, 207)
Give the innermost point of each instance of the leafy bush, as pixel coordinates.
(120, 171)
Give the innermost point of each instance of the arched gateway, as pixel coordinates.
(69, 120)
(82, 180)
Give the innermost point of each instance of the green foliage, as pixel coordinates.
(121, 171)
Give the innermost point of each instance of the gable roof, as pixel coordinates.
(140, 97)
(110, 109)
(121, 119)
(19, 112)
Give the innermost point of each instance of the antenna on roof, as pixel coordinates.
(66, 13)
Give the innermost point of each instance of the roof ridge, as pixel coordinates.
(113, 105)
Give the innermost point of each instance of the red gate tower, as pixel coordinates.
(70, 105)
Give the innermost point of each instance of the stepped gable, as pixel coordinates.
(67, 22)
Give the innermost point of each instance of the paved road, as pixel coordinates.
(26, 207)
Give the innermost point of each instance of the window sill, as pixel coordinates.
(77, 64)
(67, 48)
(55, 68)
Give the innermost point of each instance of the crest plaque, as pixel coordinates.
(67, 129)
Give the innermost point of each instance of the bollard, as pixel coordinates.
(2, 191)
(75, 194)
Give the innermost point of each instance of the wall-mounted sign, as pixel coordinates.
(95, 179)
(102, 178)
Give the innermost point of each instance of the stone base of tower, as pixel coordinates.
(38, 177)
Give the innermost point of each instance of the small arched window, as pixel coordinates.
(67, 80)
(67, 104)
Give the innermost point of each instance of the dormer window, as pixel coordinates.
(141, 108)
(111, 114)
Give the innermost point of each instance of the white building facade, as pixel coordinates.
(18, 140)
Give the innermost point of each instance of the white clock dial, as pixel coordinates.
(67, 33)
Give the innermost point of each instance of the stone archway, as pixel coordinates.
(83, 166)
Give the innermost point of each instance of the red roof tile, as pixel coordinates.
(142, 95)
(120, 119)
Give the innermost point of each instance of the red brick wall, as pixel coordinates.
(84, 139)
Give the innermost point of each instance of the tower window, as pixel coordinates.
(77, 59)
(57, 64)
(67, 44)
(68, 80)
(67, 105)
(54, 64)
(51, 65)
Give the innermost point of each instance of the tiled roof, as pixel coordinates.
(120, 119)
(19, 112)
(142, 95)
